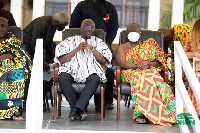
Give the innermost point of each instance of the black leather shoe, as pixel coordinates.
(82, 115)
(109, 106)
(73, 115)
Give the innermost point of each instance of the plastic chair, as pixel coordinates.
(16, 31)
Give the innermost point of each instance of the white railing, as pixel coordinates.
(34, 104)
(182, 97)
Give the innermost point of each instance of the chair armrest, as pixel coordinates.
(56, 68)
(104, 68)
(166, 74)
(118, 75)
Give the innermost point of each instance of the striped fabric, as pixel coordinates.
(84, 63)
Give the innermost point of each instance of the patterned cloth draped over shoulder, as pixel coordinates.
(187, 48)
(151, 96)
(13, 74)
(180, 31)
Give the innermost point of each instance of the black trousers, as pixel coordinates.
(92, 82)
(26, 88)
(108, 90)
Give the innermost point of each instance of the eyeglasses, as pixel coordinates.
(91, 27)
(3, 25)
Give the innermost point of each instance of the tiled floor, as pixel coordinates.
(91, 123)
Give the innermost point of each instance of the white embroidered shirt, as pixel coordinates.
(83, 63)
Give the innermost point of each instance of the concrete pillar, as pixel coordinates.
(38, 8)
(177, 12)
(16, 10)
(154, 15)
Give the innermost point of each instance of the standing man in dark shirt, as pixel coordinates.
(6, 14)
(43, 27)
(105, 17)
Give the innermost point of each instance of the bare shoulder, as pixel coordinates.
(124, 46)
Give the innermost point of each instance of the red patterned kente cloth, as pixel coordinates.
(187, 48)
(150, 94)
(180, 31)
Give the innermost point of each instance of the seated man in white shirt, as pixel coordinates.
(80, 59)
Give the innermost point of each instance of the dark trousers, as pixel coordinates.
(26, 88)
(108, 90)
(91, 84)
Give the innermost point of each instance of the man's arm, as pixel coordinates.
(114, 26)
(99, 57)
(37, 32)
(121, 59)
(66, 57)
(76, 17)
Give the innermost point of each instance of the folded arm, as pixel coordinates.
(99, 57)
(121, 59)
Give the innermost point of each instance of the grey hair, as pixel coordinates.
(62, 17)
(87, 20)
(4, 19)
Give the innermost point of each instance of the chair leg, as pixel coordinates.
(129, 100)
(118, 102)
(126, 99)
(59, 104)
(102, 104)
(51, 98)
(55, 100)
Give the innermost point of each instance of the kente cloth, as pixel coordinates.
(150, 94)
(13, 73)
(180, 31)
(83, 63)
(187, 48)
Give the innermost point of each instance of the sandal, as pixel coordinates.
(17, 117)
(141, 120)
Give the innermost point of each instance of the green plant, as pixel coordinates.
(166, 16)
(191, 10)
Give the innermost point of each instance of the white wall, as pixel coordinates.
(38, 8)
(16, 10)
(154, 15)
(177, 12)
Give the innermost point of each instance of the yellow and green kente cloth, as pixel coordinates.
(150, 94)
(180, 31)
(13, 73)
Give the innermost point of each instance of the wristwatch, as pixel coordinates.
(92, 49)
